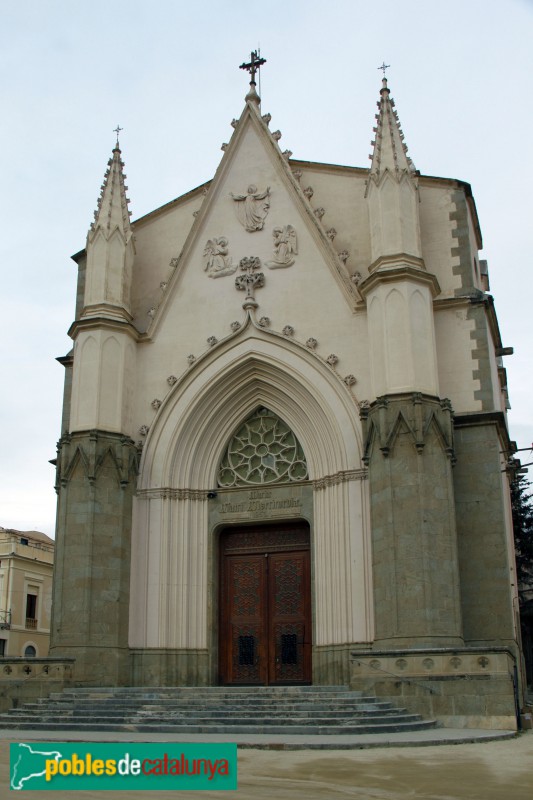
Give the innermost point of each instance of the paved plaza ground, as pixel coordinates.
(485, 770)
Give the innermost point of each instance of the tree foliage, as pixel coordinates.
(522, 506)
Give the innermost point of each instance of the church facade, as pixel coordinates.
(284, 439)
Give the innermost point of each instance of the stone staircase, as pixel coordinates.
(307, 710)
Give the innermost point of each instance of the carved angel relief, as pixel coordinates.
(252, 208)
(285, 247)
(216, 260)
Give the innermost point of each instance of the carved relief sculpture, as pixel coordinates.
(217, 263)
(285, 247)
(252, 208)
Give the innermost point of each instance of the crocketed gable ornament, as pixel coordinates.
(264, 450)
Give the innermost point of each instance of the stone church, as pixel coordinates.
(284, 438)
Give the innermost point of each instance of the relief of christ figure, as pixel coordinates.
(252, 208)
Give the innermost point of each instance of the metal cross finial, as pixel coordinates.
(117, 130)
(255, 62)
(384, 67)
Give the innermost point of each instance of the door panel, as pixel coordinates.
(246, 600)
(265, 617)
(289, 652)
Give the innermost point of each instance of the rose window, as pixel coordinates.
(263, 450)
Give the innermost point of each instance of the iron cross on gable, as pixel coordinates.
(254, 64)
(384, 67)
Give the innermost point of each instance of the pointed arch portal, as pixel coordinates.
(206, 476)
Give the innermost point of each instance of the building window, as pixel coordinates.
(30, 651)
(31, 611)
(3, 647)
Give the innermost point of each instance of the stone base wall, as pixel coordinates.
(331, 664)
(101, 666)
(166, 667)
(25, 680)
(96, 473)
(462, 688)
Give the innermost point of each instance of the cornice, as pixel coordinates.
(168, 493)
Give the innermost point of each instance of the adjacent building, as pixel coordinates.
(26, 566)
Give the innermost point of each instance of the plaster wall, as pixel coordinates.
(455, 358)
(159, 237)
(103, 381)
(436, 225)
(340, 191)
(401, 339)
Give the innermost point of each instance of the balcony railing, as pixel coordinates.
(31, 623)
(5, 620)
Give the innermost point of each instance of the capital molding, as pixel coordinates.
(91, 449)
(412, 414)
(400, 267)
(101, 319)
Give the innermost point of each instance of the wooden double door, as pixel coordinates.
(265, 605)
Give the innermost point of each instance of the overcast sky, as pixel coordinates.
(168, 73)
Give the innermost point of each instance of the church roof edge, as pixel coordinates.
(311, 165)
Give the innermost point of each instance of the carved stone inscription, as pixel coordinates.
(275, 503)
(261, 507)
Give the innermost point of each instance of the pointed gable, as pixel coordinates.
(254, 207)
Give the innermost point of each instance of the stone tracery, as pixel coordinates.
(264, 450)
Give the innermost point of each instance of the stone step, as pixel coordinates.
(227, 698)
(229, 722)
(161, 711)
(221, 710)
(229, 715)
(318, 730)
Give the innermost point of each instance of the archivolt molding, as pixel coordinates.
(415, 414)
(237, 329)
(203, 409)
